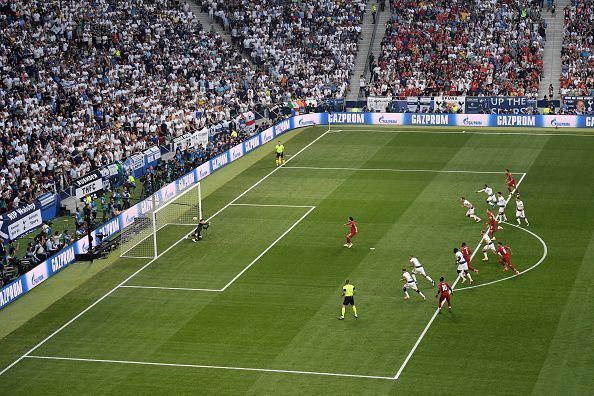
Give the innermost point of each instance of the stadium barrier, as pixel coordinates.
(66, 256)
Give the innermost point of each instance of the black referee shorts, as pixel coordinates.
(349, 300)
(280, 155)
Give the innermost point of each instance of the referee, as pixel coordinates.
(202, 224)
(348, 292)
(280, 153)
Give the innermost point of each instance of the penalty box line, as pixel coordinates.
(399, 170)
(203, 366)
(432, 319)
(254, 261)
(87, 309)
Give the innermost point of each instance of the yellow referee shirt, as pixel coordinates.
(349, 290)
(280, 148)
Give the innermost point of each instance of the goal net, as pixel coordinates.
(168, 221)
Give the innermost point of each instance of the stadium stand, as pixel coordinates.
(577, 53)
(461, 47)
(88, 83)
(308, 48)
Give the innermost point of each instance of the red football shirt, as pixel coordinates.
(353, 226)
(443, 288)
(504, 251)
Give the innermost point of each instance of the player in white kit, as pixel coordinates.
(491, 199)
(470, 209)
(417, 268)
(462, 266)
(409, 283)
(520, 214)
(501, 203)
(488, 245)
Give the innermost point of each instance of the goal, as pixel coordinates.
(167, 222)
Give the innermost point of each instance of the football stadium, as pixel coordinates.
(373, 197)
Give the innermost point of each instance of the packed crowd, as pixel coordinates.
(577, 52)
(89, 82)
(308, 47)
(461, 47)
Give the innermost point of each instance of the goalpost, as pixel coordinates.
(167, 222)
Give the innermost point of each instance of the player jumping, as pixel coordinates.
(467, 253)
(491, 200)
(470, 209)
(348, 293)
(510, 182)
(488, 245)
(501, 203)
(520, 214)
(444, 291)
(353, 231)
(196, 235)
(462, 266)
(505, 252)
(417, 268)
(409, 283)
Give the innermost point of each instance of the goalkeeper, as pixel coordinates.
(202, 225)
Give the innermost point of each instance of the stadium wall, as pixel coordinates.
(66, 256)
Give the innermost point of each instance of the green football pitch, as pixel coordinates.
(253, 308)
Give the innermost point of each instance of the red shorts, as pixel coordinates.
(505, 260)
(467, 258)
(511, 183)
(444, 297)
(352, 234)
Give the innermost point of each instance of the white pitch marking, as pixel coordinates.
(152, 261)
(273, 206)
(542, 259)
(267, 249)
(418, 342)
(459, 132)
(169, 288)
(201, 366)
(395, 170)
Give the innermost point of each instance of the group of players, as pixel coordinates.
(463, 255)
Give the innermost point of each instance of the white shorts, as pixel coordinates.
(463, 267)
(490, 246)
(470, 212)
(411, 285)
(520, 214)
(419, 270)
(492, 199)
(501, 209)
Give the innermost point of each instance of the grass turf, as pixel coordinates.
(525, 335)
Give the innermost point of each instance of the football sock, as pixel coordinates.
(421, 293)
(469, 277)
(519, 221)
(342, 311)
(406, 294)
(355, 310)
(428, 278)
(485, 255)
(414, 277)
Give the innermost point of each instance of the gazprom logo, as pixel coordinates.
(282, 127)
(185, 181)
(384, 120)
(62, 259)
(590, 121)
(303, 122)
(557, 124)
(469, 122)
(252, 143)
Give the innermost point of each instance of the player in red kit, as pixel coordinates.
(353, 231)
(444, 292)
(467, 253)
(510, 181)
(492, 223)
(504, 252)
